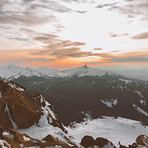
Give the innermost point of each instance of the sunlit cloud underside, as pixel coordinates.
(67, 33)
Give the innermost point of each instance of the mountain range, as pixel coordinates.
(85, 91)
(13, 71)
(30, 121)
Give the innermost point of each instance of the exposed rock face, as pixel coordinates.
(49, 140)
(19, 110)
(142, 140)
(13, 139)
(122, 146)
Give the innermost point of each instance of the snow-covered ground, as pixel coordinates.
(124, 130)
(45, 126)
(40, 132)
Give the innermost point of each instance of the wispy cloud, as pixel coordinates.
(141, 36)
(92, 31)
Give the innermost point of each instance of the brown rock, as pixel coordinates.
(101, 141)
(17, 105)
(87, 141)
(122, 146)
(142, 140)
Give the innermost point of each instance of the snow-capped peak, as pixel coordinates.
(13, 71)
(83, 71)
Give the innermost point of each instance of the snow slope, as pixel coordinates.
(124, 130)
(45, 127)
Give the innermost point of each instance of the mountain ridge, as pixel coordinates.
(13, 71)
(21, 111)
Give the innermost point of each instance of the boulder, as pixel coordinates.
(87, 141)
(142, 140)
(102, 142)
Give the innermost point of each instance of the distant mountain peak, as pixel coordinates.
(85, 66)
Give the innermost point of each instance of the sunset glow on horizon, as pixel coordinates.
(62, 34)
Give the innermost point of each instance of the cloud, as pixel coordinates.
(22, 57)
(98, 49)
(140, 36)
(60, 48)
(114, 35)
(69, 57)
(135, 9)
(29, 14)
(107, 5)
(137, 57)
(132, 8)
(54, 30)
(130, 59)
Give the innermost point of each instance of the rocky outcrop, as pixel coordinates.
(17, 108)
(20, 110)
(90, 142)
(102, 142)
(87, 141)
(142, 140)
(13, 139)
(99, 142)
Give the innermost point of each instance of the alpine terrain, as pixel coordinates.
(98, 107)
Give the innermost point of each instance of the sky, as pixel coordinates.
(70, 33)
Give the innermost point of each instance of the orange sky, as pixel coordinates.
(33, 59)
(68, 34)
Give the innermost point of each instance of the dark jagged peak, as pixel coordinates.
(85, 66)
(83, 71)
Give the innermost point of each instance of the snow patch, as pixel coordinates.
(110, 102)
(47, 109)
(121, 88)
(1, 95)
(16, 87)
(26, 138)
(4, 144)
(140, 110)
(126, 81)
(139, 93)
(10, 117)
(8, 135)
(142, 100)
